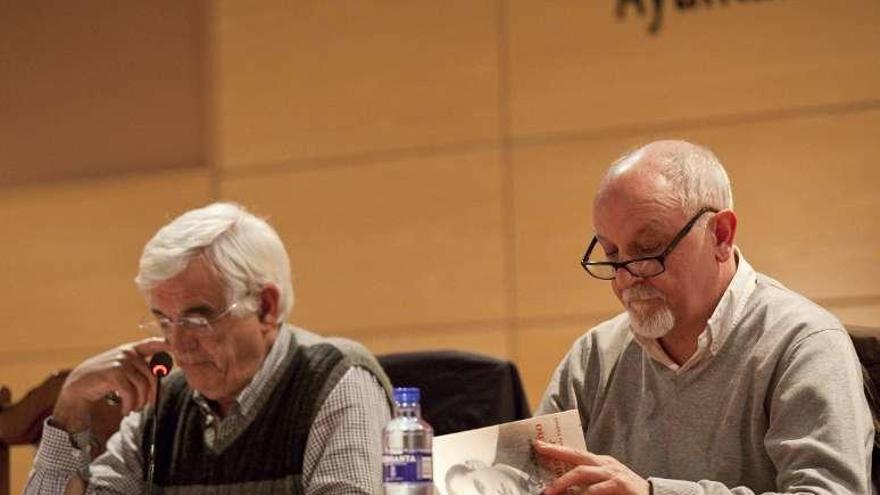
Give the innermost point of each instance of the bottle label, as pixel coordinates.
(412, 467)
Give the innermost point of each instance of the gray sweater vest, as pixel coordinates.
(267, 457)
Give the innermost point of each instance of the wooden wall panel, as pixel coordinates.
(540, 348)
(807, 200)
(301, 80)
(98, 88)
(804, 190)
(554, 186)
(20, 461)
(865, 315)
(20, 375)
(574, 66)
(400, 243)
(71, 253)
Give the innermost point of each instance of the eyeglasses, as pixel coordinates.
(644, 267)
(197, 324)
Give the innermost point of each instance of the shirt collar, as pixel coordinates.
(245, 400)
(724, 319)
(729, 311)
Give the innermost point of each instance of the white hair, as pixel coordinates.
(244, 250)
(697, 177)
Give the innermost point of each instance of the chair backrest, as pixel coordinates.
(460, 390)
(5, 400)
(868, 350)
(21, 422)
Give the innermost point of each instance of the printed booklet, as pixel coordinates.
(500, 460)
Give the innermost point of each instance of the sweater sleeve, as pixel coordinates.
(821, 433)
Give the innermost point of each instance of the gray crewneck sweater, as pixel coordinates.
(774, 404)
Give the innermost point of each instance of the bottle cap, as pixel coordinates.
(406, 395)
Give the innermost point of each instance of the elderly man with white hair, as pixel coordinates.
(257, 406)
(716, 379)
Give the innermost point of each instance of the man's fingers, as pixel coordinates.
(566, 454)
(139, 352)
(131, 384)
(607, 487)
(579, 476)
(138, 363)
(140, 380)
(126, 392)
(150, 346)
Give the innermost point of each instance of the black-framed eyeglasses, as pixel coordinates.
(644, 267)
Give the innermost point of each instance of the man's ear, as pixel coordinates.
(723, 227)
(268, 312)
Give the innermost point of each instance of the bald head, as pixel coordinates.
(649, 207)
(678, 174)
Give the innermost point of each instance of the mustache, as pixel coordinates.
(641, 293)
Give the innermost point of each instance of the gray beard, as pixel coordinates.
(651, 325)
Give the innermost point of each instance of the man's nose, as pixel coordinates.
(623, 279)
(181, 339)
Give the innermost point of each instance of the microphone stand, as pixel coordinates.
(160, 365)
(151, 465)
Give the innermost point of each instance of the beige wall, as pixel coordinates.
(98, 88)
(429, 164)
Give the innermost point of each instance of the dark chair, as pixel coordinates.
(868, 349)
(460, 390)
(5, 400)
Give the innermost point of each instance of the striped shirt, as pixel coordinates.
(343, 453)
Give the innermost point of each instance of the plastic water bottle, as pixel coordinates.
(406, 443)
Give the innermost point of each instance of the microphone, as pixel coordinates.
(160, 366)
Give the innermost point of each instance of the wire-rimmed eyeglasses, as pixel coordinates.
(643, 267)
(195, 323)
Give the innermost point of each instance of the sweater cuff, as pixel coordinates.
(663, 486)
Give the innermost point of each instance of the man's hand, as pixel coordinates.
(592, 474)
(122, 371)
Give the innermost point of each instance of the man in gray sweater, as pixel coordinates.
(716, 379)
